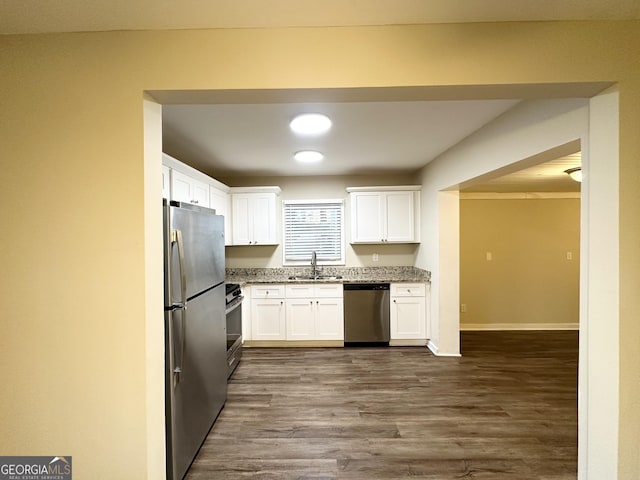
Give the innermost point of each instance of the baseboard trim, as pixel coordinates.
(518, 326)
(293, 343)
(434, 349)
(420, 342)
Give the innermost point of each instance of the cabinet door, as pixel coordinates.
(240, 213)
(268, 319)
(219, 201)
(399, 216)
(300, 319)
(180, 187)
(166, 182)
(200, 193)
(254, 220)
(329, 319)
(263, 217)
(366, 217)
(187, 189)
(408, 318)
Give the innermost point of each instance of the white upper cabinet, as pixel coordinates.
(183, 183)
(187, 189)
(219, 201)
(254, 216)
(166, 182)
(385, 214)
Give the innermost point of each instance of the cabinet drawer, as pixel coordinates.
(267, 291)
(407, 289)
(329, 290)
(307, 290)
(299, 291)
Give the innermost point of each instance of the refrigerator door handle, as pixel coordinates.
(177, 367)
(176, 237)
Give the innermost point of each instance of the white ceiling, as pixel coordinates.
(366, 137)
(37, 16)
(544, 177)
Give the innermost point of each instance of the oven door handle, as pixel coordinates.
(235, 305)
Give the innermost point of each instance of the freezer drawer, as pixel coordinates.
(196, 376)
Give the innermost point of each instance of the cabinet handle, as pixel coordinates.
(194, 201)
(394, 300)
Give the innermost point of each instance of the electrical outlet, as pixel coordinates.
(569, 255)
(463, 308)
(375, 257)
(489, 256)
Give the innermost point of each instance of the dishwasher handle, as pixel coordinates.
(366, 286)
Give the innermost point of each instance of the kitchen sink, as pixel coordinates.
(315, 277)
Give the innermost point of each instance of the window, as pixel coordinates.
(313, 226)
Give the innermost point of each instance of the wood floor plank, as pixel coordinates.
(507, 409)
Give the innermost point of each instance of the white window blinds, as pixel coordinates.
(313, 226)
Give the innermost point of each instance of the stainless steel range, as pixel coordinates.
(234, 326)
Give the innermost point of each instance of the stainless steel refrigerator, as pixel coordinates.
(195, 329)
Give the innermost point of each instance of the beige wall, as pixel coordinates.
(77, 254)
(529, 283)
(323, 187)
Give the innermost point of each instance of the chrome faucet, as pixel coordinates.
(314, 264)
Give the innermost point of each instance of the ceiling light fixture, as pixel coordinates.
(575, 173)
(310, 124)
(308, 156)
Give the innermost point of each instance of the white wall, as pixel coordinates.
(599, 376)
(525, 131)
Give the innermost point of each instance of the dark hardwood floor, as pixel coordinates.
(505, 410)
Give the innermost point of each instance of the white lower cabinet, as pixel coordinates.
(297, 312)
(314, 312)
(329, 319)
(300, 315)
(408, 312)
(268, 313)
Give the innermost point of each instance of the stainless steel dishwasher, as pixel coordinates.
(366, 313)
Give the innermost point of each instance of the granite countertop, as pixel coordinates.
(328, 275)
